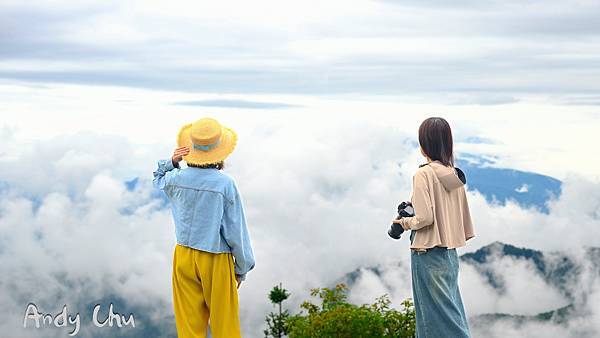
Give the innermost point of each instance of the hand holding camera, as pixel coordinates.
(405, 209)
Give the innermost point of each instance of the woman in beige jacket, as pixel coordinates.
(441, 223)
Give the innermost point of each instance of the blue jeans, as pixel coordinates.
(438, 305)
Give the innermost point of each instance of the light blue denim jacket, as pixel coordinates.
(208, 211)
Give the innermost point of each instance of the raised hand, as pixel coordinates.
(179, 153)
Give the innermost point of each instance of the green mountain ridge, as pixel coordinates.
(558, 269)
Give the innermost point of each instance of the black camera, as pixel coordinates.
(404, 210)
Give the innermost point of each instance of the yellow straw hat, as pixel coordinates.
(208, 141)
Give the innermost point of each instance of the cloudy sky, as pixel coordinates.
(326, 96)
(483, 52)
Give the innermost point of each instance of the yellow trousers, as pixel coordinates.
(204, 288)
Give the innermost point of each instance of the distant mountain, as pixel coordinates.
(559, 316)
(558, 269)
(499, 185)
(484, 325)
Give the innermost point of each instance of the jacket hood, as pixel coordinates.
(448, 176)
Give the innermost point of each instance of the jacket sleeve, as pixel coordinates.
(421, 202)
(235, 231)
(164, 174)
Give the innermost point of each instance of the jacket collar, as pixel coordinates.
(450, 177)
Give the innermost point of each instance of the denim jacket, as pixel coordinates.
(207, 210)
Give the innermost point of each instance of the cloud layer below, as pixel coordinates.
(318, 208)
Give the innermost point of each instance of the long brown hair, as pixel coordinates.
(435, 137)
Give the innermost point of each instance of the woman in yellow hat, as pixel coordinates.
(213, 252)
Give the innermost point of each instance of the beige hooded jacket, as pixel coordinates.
(442, 216)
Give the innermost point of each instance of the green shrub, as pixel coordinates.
(335, 317)
(277, 322)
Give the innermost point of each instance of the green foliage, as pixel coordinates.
(277, 322)
(335, 317)
(278, 295)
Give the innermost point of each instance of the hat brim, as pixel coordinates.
(215, 155)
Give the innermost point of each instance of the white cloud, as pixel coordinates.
(498, 50)
(523, 188)
(319, 199)
(364, 77)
